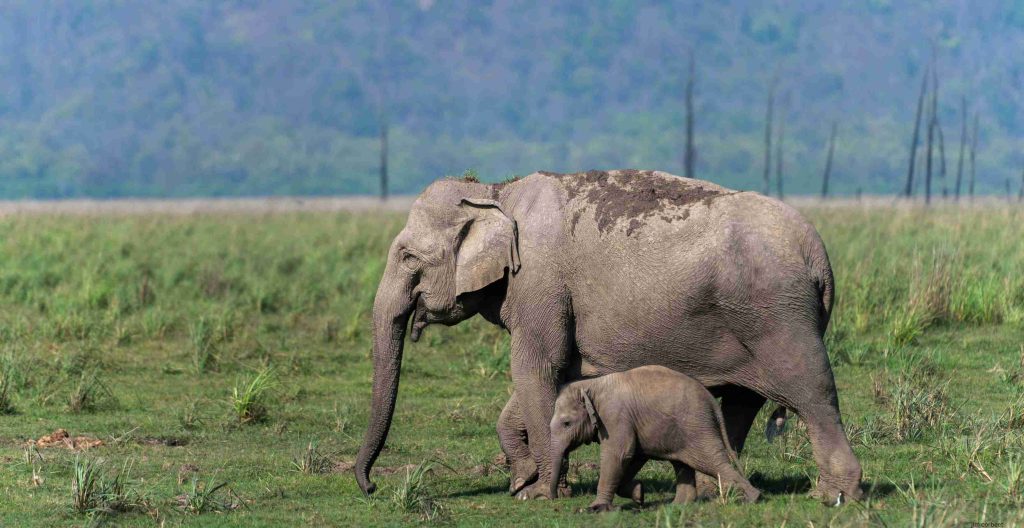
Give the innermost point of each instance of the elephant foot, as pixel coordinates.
(524, 472)
(707, 487)
(537, 490)
(601, 507)
(836, 495)
(632, 490)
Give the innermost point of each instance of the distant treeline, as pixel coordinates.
(188, 97)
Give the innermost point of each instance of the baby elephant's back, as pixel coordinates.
(672, 406)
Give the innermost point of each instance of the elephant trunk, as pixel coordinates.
(391, 309)
(557, 455)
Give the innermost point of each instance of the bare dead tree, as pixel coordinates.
(909, 188)
(384, 159)
(933, 128)
(942, 159)
(828, 160)
(381, 51)
(963, 145)
(690, 152)
(768, 138)
(928, 156)
(778, 155)
(1009, 194)
(974, 151)
(1020, 192)
(937, 125)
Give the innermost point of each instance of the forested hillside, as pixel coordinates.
(191, 97)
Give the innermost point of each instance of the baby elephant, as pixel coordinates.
(646, 413)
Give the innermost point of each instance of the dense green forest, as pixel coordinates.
(109, 98)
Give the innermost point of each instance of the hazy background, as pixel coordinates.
(198, 98)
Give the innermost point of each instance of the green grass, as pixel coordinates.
(165, 329)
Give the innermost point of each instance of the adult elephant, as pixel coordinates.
(620, 269)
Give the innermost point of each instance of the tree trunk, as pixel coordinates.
(778, 156)
(690, 154)
(909, 188)
(974, 151)
(1020, 192)
(828, 160)
(768, 140)
(942, 158)
(928, 161)
(963, 146)
(383, 161)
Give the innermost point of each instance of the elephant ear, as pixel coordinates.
(489, 246)
(590, 407)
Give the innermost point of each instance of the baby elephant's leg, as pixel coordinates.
(617, 454)
(718, 463)
(686, 483)
(630, 488)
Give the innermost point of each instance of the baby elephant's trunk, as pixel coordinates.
(557, 454)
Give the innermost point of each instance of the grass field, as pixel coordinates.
(234, 349)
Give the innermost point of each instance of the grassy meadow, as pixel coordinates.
(223, 361)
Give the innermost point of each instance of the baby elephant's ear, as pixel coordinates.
(590, 408)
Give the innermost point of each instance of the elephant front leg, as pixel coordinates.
(535, 376)
(514, 443)
(617, 454)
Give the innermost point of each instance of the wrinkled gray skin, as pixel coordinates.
(647, 413)
(621, 269)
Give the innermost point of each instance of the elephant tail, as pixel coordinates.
(725, 436)
(821, 275)
(776, 424)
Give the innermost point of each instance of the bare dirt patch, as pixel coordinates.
(61, 438)
(168, 441)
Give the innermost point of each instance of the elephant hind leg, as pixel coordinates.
(630, 488)
(513, 440)
(686, 491)
(805, 384)
(739, 408)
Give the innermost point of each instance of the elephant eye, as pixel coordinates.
(409, 260)
(566, 424)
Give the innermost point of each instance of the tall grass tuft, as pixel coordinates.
(1013, 417)
(311, 461)
(1013, 481)
(89, 392)
(204, 349)
(413, 494)
(928, 301)
(916, 400)
(6, 405)
(249, 400)
(85, 486)
(203, 497)
(96, 493)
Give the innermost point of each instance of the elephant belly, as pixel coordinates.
(700, 346)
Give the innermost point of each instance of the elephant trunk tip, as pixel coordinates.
(363, 480)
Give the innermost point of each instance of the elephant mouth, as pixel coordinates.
(419, 319)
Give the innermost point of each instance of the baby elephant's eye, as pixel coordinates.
(566, 424)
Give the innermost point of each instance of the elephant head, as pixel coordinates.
(575, 422)
(457, 241)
